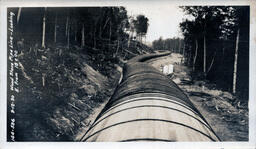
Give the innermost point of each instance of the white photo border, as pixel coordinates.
(4, 4)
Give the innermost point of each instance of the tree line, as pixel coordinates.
(87, 26)
(171, 44)
(216, 42)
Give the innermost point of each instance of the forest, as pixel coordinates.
(216, 45)
(175, 45)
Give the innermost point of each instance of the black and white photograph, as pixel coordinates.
(128, 73)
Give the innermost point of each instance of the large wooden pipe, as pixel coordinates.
(148, 106)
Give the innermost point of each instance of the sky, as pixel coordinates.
(163, 18)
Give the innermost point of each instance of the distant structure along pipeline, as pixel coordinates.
(148, 106)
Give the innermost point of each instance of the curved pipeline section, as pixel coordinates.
(148, 106)
(145, 57)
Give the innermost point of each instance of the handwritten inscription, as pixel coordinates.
(13, 74)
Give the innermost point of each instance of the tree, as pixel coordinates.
(141, 26)
(18, 15)
(83, 37)
(235, 62)
(191, 32)
(55, 28)
(241, 56)
(43, 32)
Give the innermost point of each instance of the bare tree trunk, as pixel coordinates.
(104, 26)
(43, 34)
(75, 32)
(55, 29)
(82, 40)
(43, 79)
(183, 53)
(100, 32)
(210, 67)
(117, 46)
(130, 36)
(204, 55)
(179, 47)
(110, 30)
(195, 57)
(18, 16)
(68, 35)
(67, 22)
(189, 57)
(235, 62)
(94, 37)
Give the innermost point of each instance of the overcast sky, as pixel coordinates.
(163, 18)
